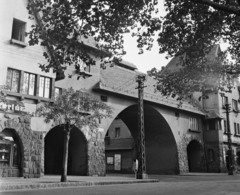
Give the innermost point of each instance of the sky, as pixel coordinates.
(149, 59)
(145, 61)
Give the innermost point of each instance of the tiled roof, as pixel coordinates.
(120, 144)
(122, 81)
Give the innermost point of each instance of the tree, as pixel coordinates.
(63, 26)
(74, 108)
(190, 31)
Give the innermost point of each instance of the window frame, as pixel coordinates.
(60, 92)
(193, 124)
(11, 80)
(235, 105)
(20, 31)
(44, 86)
(29, 80)
(117, 131)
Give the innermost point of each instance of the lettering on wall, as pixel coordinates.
(12, 106)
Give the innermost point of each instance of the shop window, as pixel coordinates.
(211, 156)
(193, 124)
(117, 132)
(13, 80)
(44, 87)
(9, 152)
(18, 30)
(29, 83)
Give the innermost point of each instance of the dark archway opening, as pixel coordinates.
(77, 153)
(161, 149)
(194, 156)
(11, 148)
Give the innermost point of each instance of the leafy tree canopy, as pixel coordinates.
(64, 25)
(76, 108)
(190, 30)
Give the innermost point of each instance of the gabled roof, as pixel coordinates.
(174, 65)
(120, 144)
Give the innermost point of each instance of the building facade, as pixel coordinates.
(175, 136)
(120, 148)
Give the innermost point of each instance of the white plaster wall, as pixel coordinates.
(14, 56)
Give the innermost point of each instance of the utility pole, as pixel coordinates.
(230, 156)
(229, 140)
(141, 171)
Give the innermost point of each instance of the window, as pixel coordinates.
(13, 80)
(225, 101)
(18, 30)
(235, 105)
(212, 124)
(211, 156)
(117, 132)
(193, 123)
(236, 129)
(104, 98)
(58, 91)
(45, 87)
(29, 83)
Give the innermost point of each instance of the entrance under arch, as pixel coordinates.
(11, 153)
(194, 156)
(160, 145)
(77, 153)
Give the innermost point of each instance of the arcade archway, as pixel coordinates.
(53, 152)
(161, 149)
(194, 156)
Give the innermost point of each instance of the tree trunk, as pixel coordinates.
(65, 155)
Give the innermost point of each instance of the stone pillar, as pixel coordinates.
(96, 154)
(31, 145)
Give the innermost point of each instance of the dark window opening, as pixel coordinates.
(211, 156)
(18, 30)
(117, 132)
(212, 124)
(104, 98)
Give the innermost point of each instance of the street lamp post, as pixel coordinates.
(141, 171)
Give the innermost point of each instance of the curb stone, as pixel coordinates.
(30, 186)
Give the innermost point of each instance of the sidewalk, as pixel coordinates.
(52, 181)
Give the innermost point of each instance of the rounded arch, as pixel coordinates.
(53, 152)
(161, 149)
(194, 153)
(17, 150)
